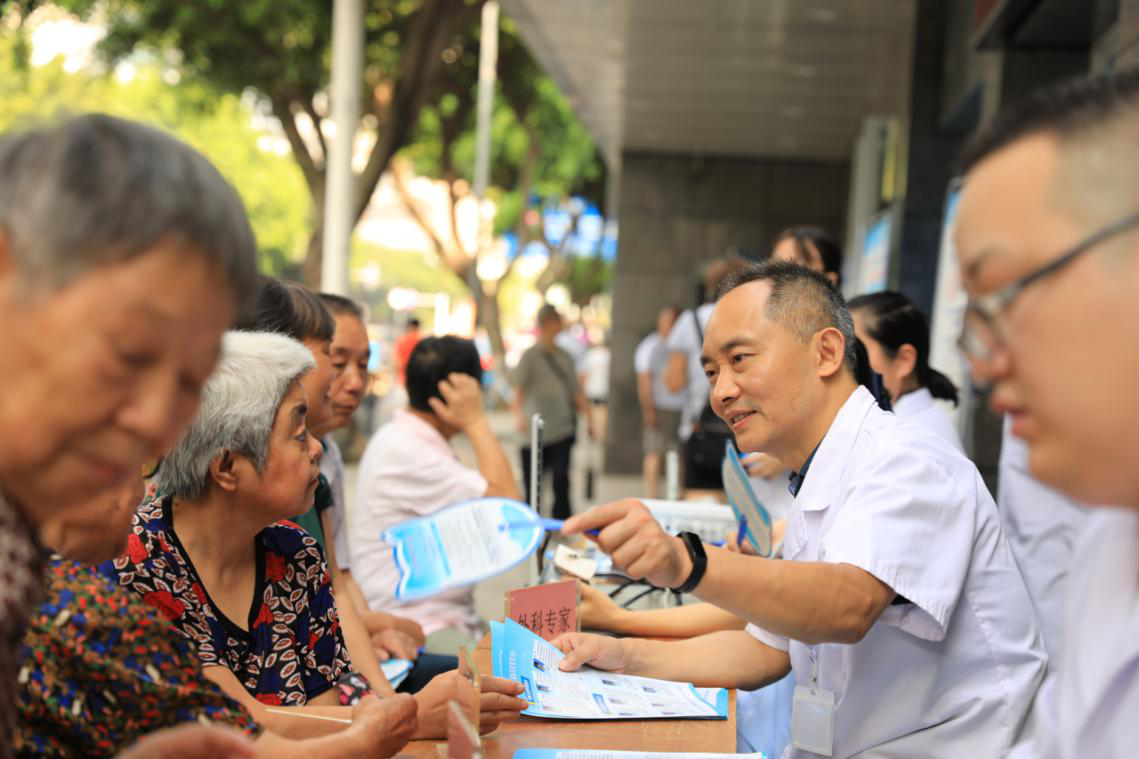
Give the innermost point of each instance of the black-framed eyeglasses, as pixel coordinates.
(981, 337)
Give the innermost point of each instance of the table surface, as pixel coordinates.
(710, 736)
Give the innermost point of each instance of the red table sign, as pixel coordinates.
(545, 610)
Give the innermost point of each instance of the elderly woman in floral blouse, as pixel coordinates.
(251, 591)
(102, 668)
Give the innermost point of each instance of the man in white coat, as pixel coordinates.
(898, 605)
(1048, 243)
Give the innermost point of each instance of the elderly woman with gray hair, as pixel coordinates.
(123, 257)
(252, 592)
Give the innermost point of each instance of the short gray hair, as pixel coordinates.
(96, 189)
(802, 300)
(239, 404)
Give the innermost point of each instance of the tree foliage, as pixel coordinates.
(217, 124)
(281, 50)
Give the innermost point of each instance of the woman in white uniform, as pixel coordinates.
(896, 335)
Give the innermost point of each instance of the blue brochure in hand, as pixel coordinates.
(461, 545)
(522, 656)
(744, 502)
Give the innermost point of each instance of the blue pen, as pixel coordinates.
(743, 530)
(550, 525)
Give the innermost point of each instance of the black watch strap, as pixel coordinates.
(699, 561)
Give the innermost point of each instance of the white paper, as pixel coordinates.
(522, 656)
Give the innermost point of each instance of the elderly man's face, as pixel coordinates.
(286, 485)
(350, 353)
(1068, 372)
(102, 373)
(760, 373)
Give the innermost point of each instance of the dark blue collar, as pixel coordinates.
(796, 478)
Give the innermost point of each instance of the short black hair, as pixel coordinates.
(1065, 108)
(432, 360)
(338, 305)
(830, 252)
(893, 320)
(288, 309)
(802, 299)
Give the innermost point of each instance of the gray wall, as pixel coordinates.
(679, 213)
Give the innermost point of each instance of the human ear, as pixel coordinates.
(225, 470)
(831, 351)
(905, 360)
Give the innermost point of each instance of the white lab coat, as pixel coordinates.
(1042, 527)
(1090, 705)
(918, 407)
(951, 674)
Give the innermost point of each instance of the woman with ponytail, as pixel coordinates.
(896, 335)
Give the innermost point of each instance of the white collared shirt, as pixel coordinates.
(1042, 527)
(1090, 705)
(919, 407)
(332, 467)
(952, 673)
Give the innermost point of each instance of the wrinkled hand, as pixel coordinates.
(411, 629)
(462, 404)
(636, 543)
(191, 741)
(384, 725)
(497, 702)
(597, 610)
(598, 651)
(762, 465)
(393, 643)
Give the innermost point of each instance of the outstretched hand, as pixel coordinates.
(636, 542)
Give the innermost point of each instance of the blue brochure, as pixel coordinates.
(521, 656)
(461, 545)
(744, 502)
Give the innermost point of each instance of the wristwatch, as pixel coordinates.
(699, 561)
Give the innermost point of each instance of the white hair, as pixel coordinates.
(239, 405)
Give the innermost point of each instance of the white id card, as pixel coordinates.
(812, 720)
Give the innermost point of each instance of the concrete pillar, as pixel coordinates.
(678, 213)
(933, 146)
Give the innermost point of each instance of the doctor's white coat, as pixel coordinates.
(951, 673)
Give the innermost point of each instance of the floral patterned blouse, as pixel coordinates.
(101, 669)
(290, 649)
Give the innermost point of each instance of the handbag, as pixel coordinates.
(704, 448)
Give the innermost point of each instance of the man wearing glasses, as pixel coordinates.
(1048, 247)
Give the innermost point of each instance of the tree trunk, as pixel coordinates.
(490, 317)
(312, 270)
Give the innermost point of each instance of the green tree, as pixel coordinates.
(281, 50)
(270, 185)
(540, 152)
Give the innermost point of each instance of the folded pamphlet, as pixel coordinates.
(522, 656)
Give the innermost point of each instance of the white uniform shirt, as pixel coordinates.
(918, 407)
(687, 339)
(408, 470)
(1090, 705)
(651, 358)
(332, 467)
(951, 674)
(1042, 527)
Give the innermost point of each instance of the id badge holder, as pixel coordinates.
(812, 720)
